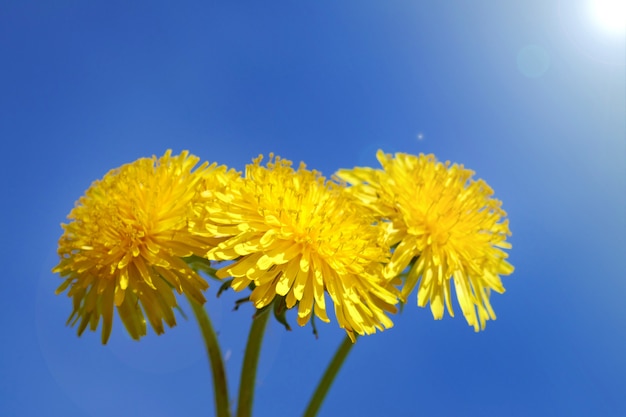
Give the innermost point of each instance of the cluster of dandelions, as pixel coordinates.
(365, 238)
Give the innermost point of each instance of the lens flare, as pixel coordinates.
(610, 15)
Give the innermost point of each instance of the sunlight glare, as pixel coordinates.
(610, 15)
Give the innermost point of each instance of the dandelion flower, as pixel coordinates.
(443, 224)
(125, 240)
(295, 235)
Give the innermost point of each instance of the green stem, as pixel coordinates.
(250, 361)
(329, 376)
(211, 343)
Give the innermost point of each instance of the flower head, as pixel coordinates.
(125, 240)
(295, 235)
(442, 223)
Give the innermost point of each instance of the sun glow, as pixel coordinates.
(610, 15)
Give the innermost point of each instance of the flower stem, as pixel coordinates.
(250, 361)
(220, 385)
(329, 376)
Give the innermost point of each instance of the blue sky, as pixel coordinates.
(531, 95)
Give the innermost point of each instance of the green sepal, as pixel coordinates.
(259, 311)
(280, 312)
(224, 287)
(314, 326)
(181, 311)
(200, 264)
(239, 302)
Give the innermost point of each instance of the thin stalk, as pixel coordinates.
(250, 361)
(329, 376)
(211, 343)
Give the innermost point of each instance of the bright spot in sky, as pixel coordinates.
(533, 61)
(610, 15)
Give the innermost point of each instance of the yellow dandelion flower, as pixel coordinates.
(295, 235)
(125, 240)
(443, 222)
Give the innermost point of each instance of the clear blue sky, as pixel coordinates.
(531, 95)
